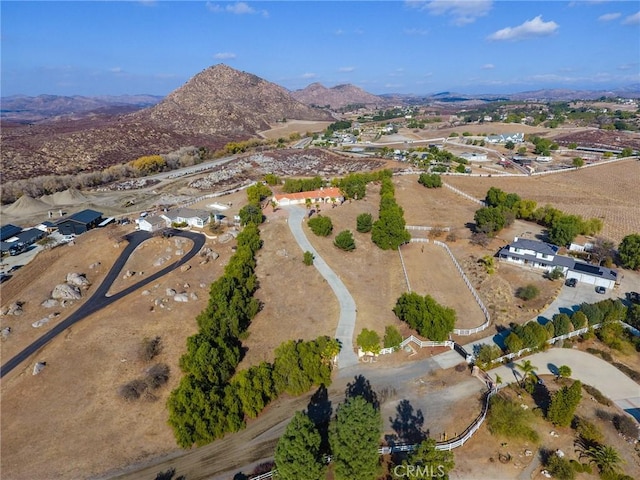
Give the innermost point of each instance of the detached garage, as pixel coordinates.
(593, 275)
(80, 222)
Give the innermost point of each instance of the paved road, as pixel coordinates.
(99, 299)
(347, 321)
(586, 368)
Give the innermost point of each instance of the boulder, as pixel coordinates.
(38, 367)
(193, 296)
(50, 303)
(6, 331)
(170, 292)
(185, 268)
(181, 297)
(14, 309)
(160, 261)
(39, 323)
(65, 291)
(146, 292)
(77, 279)
(94, 265)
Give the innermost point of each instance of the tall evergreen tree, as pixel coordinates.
(298, 451)
(354, 438)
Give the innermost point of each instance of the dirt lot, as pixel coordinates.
(293, 126)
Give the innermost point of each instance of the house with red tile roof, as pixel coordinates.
(323, 195)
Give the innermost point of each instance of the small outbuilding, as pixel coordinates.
(79, 222)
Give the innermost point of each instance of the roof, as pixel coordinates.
(84, 216)
(595, 270)
(8, 231)
(154, 220)
(186, 213)
(535, 245)
(30, 236)
(332, 192)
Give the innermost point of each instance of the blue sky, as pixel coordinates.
(420, 47)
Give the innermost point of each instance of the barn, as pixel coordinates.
(79, 222)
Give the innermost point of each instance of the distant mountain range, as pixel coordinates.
(51, 134)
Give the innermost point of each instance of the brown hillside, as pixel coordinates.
(336, 97)
(223, 100)
(216, 106)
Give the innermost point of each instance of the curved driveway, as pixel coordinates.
(585, 367)
(99, 299)
(347, 321)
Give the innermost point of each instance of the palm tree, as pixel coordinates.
(527, 369)
(605, 457)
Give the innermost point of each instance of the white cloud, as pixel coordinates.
(308, 75)
(346, 69)
(339, 32)
(415, 31)
(224, 55)
(628, 66)
(632, 19)
(607, 17)
(535, 27)
(238, 8)
(488, 66)
(462, 11)
(116, 70)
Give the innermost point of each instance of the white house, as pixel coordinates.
(474, 156)
(506, 137)
(151, 223)
(193, 218)
(544, 256)
(324, 195)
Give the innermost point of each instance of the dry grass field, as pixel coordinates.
(293, 126)
(609, 192)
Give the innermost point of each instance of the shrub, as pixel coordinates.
(157, 375)
(430, 180)
(364, 222)
(150, 348)
(588, 432)
(561, 468)
(132, 390)
(308, 258)
(344, 241)
(392, 337)
(508, 419)
(321, 226)
(369, 341)
(528, 292)
(597, 395)
(626, 426)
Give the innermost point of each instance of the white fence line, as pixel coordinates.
(404, 269)
(467, 331)
(419, 343)
(465, 195)
(420, 227)
(218, 194)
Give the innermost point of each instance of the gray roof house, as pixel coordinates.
(152, 223)
(192, 217)
(536, 254)
(79, 222)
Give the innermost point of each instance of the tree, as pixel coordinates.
(251, 213)
(577, 162)
(344, 241)
(606, 458)
(425, 315)
(564, 403)
(560, 468)
(509, 145)
(426, 462)
(354, 438)
(364, 222)
(298, 451)
(487, 354)
(369, 341)
(561, 324)
(565, 229)
(629, 251)
(392, 337)
(308, 258)
(528, 370)
(489, 219)
(321, 226)
(564, 371)
(513, 343)
(430, 180)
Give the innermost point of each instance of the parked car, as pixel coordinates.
(571, 282)
(601, 290)
(633, 297)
